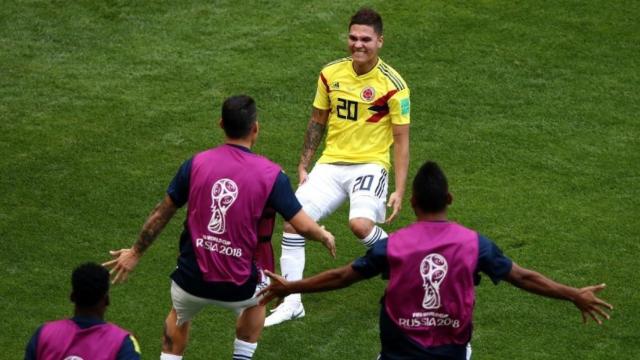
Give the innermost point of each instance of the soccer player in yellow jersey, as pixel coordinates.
(363, 105)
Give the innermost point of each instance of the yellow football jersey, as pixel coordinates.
(363, 108)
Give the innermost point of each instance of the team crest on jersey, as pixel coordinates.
(368, 94)
(335, 85)
(223, 194)
(433, 270)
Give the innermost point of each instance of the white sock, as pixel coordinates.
(165, 356)
(243, 350)
(292, 260)
(376, 234)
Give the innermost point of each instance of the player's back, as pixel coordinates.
(225, 204)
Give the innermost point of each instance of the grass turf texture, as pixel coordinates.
(532, 110)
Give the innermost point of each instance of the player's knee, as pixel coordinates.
(361, 227)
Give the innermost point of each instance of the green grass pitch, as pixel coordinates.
(531, 107)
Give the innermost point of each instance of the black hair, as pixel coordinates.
(90, 283)
(238, 115)
(367, 16)
(430, 188)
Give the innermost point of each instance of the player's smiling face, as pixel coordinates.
(364, 44)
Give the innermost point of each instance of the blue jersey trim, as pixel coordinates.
(492, 261)
(374, 262)
(32, 346)
(178, 189)
(282, 198)
(128, 350)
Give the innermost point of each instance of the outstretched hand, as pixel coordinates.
(277, 288)
(123, 262)
(395, 203)
(329, 241)
(591, 305)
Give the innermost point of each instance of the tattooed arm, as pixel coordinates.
(312, 138)
(125, 260)
(156, 221)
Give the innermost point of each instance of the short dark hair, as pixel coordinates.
(430, 188)
(90, 283)
(238, 115)
(367, 16)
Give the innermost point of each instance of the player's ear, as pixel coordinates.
(253, 135)
(449, 198)
(221, 123)
(380, 41)
(107, 300)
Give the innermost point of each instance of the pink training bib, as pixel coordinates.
(228, 191)
(431, 295)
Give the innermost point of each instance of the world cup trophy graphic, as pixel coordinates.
(433, 270)
(223, 193)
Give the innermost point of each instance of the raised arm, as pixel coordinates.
(584, 299)
(312, 138)
(400, 168)
(329, 280)
(125, 260)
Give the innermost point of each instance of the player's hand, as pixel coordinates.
(303, 175)
(277, 288)
(591, 305)
(329, 241)
(124, 261)
(395, 203)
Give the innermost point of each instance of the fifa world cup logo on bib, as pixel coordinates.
(223, 193)
(433, 270)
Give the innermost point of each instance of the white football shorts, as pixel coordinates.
(187, 305)
(329, 185)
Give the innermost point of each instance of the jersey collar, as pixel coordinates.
(240, 147)
(353, 72)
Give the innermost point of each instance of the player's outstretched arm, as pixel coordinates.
(307, 227)
(312, 138)
(125, 260)
(400, 168)
(584, 299)
(329, 280)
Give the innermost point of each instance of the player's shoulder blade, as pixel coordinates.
(392, 75)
